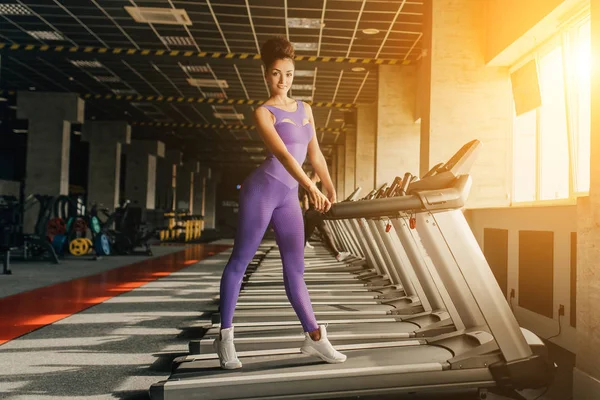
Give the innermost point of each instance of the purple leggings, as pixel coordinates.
(264, 199)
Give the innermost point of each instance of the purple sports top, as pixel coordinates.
(296, 138)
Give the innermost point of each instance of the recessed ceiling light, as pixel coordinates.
(3, 99)
(20, 130)
(46, 35)
(370, 31)
(305, 98)
(358, 69)
(339, 120)
(31, 87)
(305, 46)
(14, 9)
(155, 15)
(308, 23)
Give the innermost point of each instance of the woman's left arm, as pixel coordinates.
(317, 160)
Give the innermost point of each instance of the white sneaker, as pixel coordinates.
(342, 255)
(223, 346)
(309, 246)
(322, 348)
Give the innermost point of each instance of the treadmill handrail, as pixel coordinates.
(427, 200)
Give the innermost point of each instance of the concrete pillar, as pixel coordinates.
(48, 139)
(397, 141)
(463, 99)
(350, 161)
(200, 190)
(140, 185)
(586, 374)
(166, 181)
(366, 131)
(210, 199)
(341, 171)
(105, 140)
(186, 185)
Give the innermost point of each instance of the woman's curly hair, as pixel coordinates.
(276, 48)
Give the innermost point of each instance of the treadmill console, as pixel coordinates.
(459, 164)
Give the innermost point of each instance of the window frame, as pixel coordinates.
(561, 39)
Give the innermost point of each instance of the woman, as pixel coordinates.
(270, 194)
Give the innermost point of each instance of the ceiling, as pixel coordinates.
(98, 49)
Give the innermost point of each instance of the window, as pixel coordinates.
(581, 137)
(553, 162)
(551, 143)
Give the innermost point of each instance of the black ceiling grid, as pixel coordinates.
(194, 63)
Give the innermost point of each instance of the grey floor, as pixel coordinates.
(117, 349)
(29, 275)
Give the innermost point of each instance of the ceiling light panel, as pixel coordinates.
(302, 87)
(14, 9)
(306, 23)
(124, 92)
(224, 108)
(107, 78)
(304, 73)
(46, 35)
(228, 116)
(304, 98)
(177, 40)
(165, 16)
(215, 95)
(253, 149)
(302, 46)
(86, 64)
(195, 68)
(220, 83)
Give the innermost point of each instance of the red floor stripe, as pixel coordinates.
(25, 312)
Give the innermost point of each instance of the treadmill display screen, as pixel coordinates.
(460, 154)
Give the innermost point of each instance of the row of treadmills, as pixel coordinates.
(417, 309)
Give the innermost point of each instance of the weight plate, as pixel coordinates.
(80, 225)
(56, 226)
(79, 247)
(102, 245)
(58, 243)
(96, 225)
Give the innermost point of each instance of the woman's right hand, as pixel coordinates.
(318, 199)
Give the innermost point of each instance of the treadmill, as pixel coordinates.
(490, 351)
(427, 317)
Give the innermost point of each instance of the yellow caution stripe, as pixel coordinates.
(188, 54)
(213, 126)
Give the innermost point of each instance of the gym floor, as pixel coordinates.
(109, 329)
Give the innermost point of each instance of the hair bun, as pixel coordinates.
(276, 48)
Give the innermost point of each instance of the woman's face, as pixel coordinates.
(280, 76)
